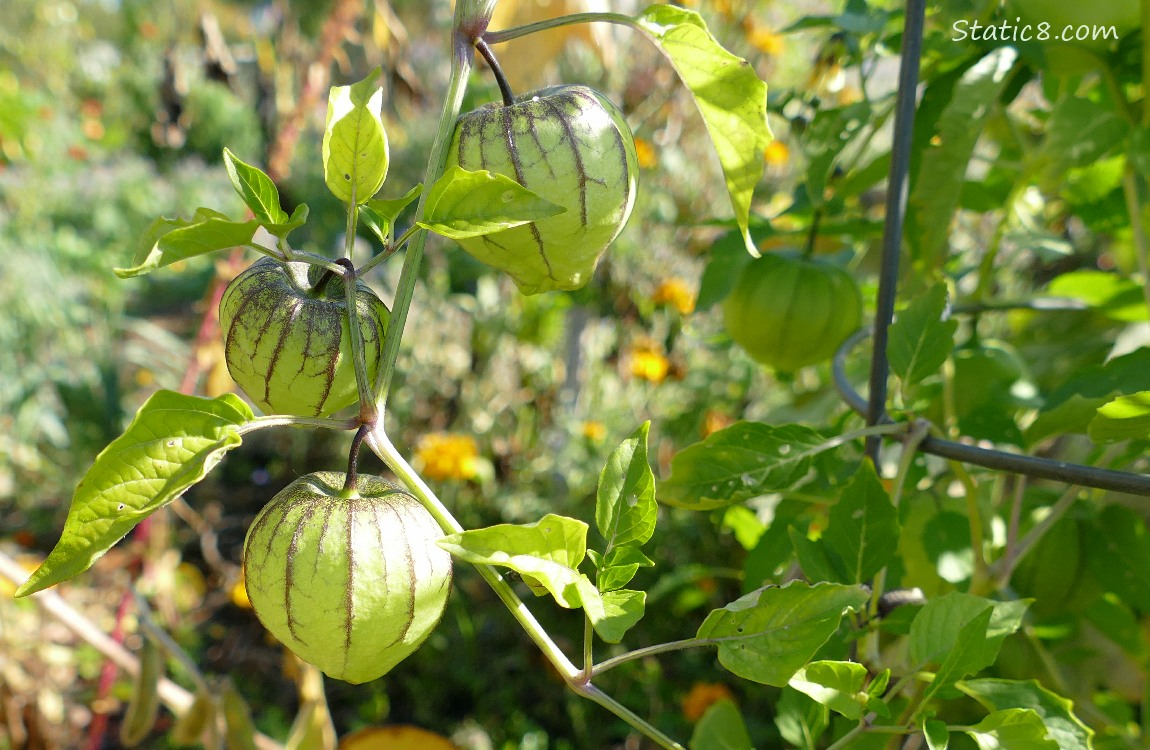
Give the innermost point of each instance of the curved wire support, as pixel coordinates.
(1031, 466)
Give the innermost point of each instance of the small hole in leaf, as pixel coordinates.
(121, 507)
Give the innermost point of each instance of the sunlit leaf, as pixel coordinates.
(1056, 712)
(256, 189)
(721, 728)
(838, 685)
(730, 97)
(863, 529)
(942, 170)
(172, 443)
(1115, 296)
(921, 337)
(937, 626)
(937, 735)
(379, 214)
(967, 656)
(1124, 418)
(546, 553)
(619, 566)
(625, 507)
(767, 635)
(739, 462)
(355, 156)
(465, 204)
(621, 610)
(167, 241)
(1012, 729)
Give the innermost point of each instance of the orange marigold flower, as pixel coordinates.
(594, 431)
(648, 363)
(701, 697)
(645, 153)
(776, 153)
(446, 456)
(677, 294)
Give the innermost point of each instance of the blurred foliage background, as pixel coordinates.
(113, 112)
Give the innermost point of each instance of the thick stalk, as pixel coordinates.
(452, 104)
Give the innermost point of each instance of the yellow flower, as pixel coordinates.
(645, 154)
(445, 456)
(714, 420)
(765, 39)
(594, 431)
(648, 363)
(702, 696)
(677, 294)
(238, 593)
(776, 153)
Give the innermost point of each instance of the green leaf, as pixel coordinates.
(1115, 296)
(937, 735)
(801, 721)
(938, 625)
(920, 338)
(1124, 418)
(1081, 131)
(721, 728)
(621, 610)
(831, 131)
(1072, 415)
(546, 553)
(1012, 729)
(966, 657)
(728, 258)
(729, 95)
(767, 635)
(739, 462)
(1055, 711)
(838, 685)
(167, 241)
(625, 508)
(1119, 555)
(172, 443)
(380, 214)
(815, 560)
(938, 182)
(257, 190)
(355, 154)
(464, 204)
(297, 220)
(619, 566)
(863, 529)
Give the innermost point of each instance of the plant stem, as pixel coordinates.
(367, 408)
(452, 104)
(280, 420)
(353, 458)
(659, 648)
(489, 58)
(1134, 208)
(506, 35)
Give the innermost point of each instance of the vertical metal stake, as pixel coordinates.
(895, 213)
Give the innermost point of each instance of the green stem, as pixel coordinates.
(367, 407)
(660, 648)
(588, 649)
(506, 35)
(279, 420)
(452, 104)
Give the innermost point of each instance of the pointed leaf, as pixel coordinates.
(167, 241)
(1056, 712)
(1012, 729)
(284, 228)
(942, 170)
(546, 553)
(838, 685)
(721, 728)
(937, 626)
(619, 566)
(257, 190)
(814, 559)
(767, 635)
(863, 529)
(380, 214)
(729, 95)
(921, 338)
(621, 610)
(966, 657)
(464, 204)
(742, 461)
(173, 442)
(354, 142)
(625, 507)
(1124, 418)
(937, 735)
